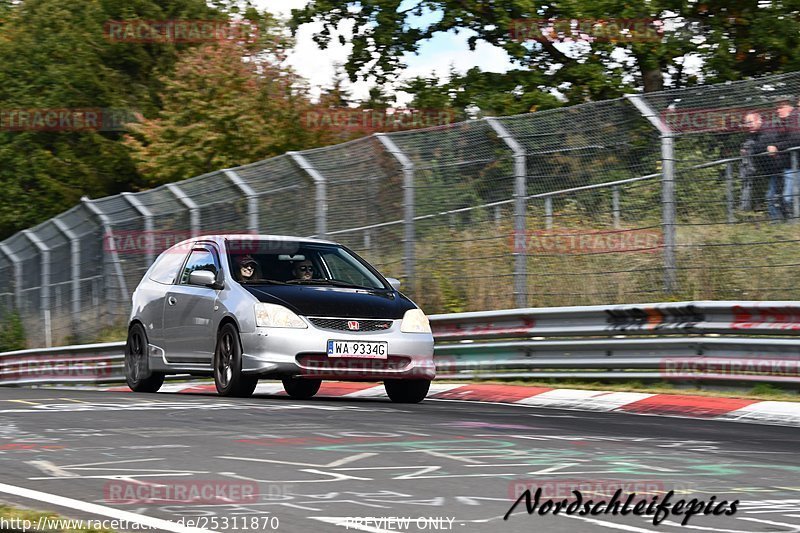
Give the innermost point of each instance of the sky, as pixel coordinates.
(436, 55)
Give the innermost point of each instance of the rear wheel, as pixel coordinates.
(228, 376)
(137, 367)
(301, 389)
(407, 390)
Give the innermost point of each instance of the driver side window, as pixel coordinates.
(200, 259)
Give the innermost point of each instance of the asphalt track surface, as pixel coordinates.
(318, 465)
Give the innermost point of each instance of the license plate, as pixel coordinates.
(361, 349)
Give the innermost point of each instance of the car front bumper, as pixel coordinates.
(284, 352)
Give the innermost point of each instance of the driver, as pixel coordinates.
(247, 268)
(303, 270)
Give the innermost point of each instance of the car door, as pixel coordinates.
(189, 312)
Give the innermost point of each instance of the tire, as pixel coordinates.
(301, 389)
(407, 390)
(228, 376)
(137, 367)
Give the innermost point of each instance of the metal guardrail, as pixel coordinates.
(722, 340)
(706, 340)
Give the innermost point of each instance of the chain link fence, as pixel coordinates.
(645, 198)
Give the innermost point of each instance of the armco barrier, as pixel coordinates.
(704, 340)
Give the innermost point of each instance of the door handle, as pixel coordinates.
(171, 300)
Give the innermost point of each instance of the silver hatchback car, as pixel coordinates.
(245, 307)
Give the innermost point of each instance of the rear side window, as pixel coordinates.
(166, 267)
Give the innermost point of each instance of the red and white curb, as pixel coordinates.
(687, 406)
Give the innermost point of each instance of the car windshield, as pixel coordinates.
(297, 263)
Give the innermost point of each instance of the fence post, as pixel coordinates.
(147, 215)
(111, 243)
(75, 275)
(729, 191)
(548, 212)
(321, 190)
(667, 188)
(615, 206)
(252, 199)
(194, 214)
(17, 262)
(795, 188)
(520, 211)
(409, 234)
(44, 294)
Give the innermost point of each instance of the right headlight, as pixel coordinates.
(415, 321)
(277, 316)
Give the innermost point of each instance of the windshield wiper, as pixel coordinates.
(334, 282)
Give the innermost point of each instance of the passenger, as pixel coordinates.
(303, 270)
(247, 268)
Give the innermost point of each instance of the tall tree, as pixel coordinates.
(55, 56)
(730, 39)
(224, 106)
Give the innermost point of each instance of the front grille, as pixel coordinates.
(340, 324)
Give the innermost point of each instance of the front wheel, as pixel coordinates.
(407, 390)
(228, 376)
(301, 389)
(137, 367)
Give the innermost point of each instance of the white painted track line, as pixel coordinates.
(102, 510)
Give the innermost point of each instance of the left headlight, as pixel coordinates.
(277, 316)
(415, 321)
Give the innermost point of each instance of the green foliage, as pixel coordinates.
(220, 110)
(55, 56)
(12, 333)
(732, 40)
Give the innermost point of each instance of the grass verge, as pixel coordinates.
(17, 517)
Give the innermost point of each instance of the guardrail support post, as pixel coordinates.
(520, 211)
(147, 215)
(321, 193)
(75, 275)
(44, 289)
(667, 189)
(194, 212)
(252, 199)
(17, 262)
(409, 234)
(729, 191)
(111, 243)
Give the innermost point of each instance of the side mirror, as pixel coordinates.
(394, 282)
(204, 278)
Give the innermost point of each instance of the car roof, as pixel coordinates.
(219, 238)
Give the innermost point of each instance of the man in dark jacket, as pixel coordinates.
(783, 132)
(762, 160)
(748, 170)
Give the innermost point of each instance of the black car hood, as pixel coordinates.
(334, 301)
